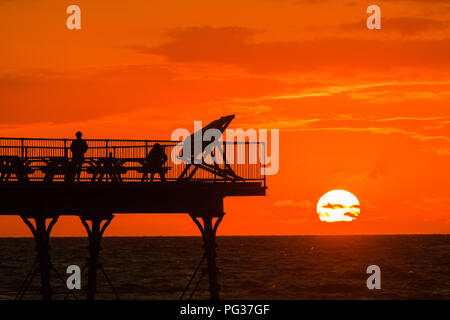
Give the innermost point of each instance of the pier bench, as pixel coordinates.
(106, 167)
(14, 165)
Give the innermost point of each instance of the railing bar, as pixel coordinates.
(37, 149)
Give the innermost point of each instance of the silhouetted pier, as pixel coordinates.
(37, 182)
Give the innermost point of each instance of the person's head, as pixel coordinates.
(157, 146)
(79, 134)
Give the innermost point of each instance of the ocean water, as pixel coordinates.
(256, 267)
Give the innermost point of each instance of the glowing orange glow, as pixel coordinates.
(338, 205)
(358, 109)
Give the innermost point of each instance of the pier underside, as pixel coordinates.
(36, 199)
(40, 204)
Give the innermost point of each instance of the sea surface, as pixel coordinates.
(254, 267)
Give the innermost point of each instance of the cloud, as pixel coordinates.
(441, 151)
(302, 2)
(83, 95)
(291, 203)
(424, 129)
(92, 94)
(414, 25)
(365, 2)
(431, 203)
(394, 96)
(297, 221)
(433, 206)
(236, 46)
(408, 26)
(350, 214)
(333, 206)
(372, 92)
(373, 173)
(376, 130)
(420, 128)
(417, 1)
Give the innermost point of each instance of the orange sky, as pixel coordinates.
(365, 111)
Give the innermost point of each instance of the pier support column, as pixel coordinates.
(208, 231)
(95, 232)
(41, 234)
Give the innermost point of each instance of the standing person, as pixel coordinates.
(78, 147)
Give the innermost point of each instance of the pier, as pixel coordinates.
(40, 182)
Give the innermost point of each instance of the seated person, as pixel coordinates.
(155, 163)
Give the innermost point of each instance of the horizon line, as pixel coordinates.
(249, 235)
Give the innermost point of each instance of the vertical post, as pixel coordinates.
(224, 156)
(208, 231)
(94, 252)
(95, 233)
(43, 258)
(264, 162)
(210, 251)
(41, 235)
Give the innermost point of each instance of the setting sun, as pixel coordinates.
(338, 205)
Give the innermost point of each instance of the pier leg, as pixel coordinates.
(208, 231)
(95, 232)
(41, 233)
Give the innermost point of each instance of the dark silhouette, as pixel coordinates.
(78, 147)
(39, 204)
(156, 159)
(194, 159)
(107, 168)
(14, 165)
(58, 166)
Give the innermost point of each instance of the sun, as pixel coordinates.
(338, 205)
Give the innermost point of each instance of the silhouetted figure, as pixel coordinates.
(78, 147)
(155, 162)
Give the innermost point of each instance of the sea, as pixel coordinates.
(250, 267)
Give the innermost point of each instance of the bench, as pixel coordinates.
(146, 169)
(14, 165)
(107, 167)
(57, 166)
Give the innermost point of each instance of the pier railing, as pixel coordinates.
(243, 158)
